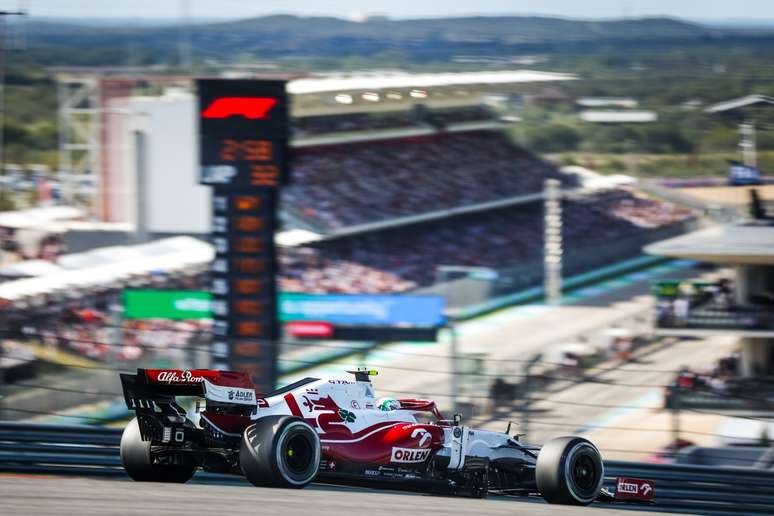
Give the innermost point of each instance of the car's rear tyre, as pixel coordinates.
(569, 471)
(138, 463)
(280, 451)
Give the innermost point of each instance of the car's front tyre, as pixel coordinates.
(569, 471)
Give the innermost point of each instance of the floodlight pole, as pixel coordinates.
(552, 241)
(747, 144)
(455, 367)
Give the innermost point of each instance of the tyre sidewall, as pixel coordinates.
(135, 455)
(554, 470)
(260, 454)
(138, 463)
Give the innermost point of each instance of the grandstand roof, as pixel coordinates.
(736, 244)
(618, 117)
(596, 102)
(39, 217)
(384, 80)
(742, 102)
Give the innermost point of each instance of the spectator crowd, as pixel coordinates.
(86, 325)
(355, 183)
(406, 257)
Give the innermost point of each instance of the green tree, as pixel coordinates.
(552, 138)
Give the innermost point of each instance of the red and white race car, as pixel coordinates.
(338, 431)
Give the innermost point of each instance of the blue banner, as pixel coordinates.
(364, 309)
(739, 174)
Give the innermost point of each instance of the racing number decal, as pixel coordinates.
(423, 435)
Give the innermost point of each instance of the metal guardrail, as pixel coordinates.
(93, 451)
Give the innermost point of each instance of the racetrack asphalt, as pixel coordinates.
(39, 495)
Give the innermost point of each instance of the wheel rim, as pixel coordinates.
(298, 452)
(584, 474)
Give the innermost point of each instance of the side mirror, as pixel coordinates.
(457, 421)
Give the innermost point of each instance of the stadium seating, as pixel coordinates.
(349, 184)
(406, 257)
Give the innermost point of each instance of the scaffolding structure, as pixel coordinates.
(79, 132)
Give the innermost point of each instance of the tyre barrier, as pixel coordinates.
(91, 451)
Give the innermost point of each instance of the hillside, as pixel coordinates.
(285, 35)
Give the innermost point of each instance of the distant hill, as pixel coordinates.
(285, 35)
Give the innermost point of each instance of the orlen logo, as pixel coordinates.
(634, 489)
(408, 455)
(252, 108)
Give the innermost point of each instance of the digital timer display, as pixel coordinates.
(243, 137)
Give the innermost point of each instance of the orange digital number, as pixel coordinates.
(248, 287)
(257, 150)
(247, 202)
(248, 307)
(248, 265)
(247, 245)
(264, 175)
(229, 150)
(247, 349)
(247, 150)
(249, 224)
(249, 329)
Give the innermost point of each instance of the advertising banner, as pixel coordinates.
(166, 304)
(364, 309)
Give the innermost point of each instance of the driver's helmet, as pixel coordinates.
(388, 404)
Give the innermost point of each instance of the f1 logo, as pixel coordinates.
(252, 108)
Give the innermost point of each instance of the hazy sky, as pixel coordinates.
(695, 9)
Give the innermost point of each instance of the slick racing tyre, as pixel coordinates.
(280, 451)
(569, 471)
(137, 461)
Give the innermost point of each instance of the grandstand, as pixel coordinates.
(393, 174)
(347, 184)
(406, 257)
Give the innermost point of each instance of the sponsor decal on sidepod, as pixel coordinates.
(409, 455)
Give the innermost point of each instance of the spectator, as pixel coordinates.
(406, 257)
(343, 185)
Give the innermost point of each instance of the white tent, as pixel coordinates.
(30, 268)
(111, 265)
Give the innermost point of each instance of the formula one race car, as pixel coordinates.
(337, 431)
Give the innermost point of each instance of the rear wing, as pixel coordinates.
(159, 387)
(151, 394)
